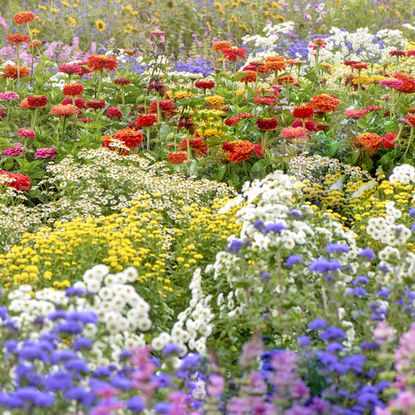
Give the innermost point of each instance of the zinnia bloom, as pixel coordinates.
(114, 112)
(371, 141)
(267, 124)
(72, 68)
(177, 157)
(14, 151)
(410, 120)
(24, 17)
(408, 86)
(17, 38)
(265, 100)
(220, 45)
(197, 145)
(73, 89)
(388, 140)
(130, 137)
(18, 181)
(79, 102)
(303, 112)
(294, 132)
(101, 62)
(234, 53)
(309, 125)
(45, 153)
(246, 76)
(205, 84)
(240, 150)
(9, 96)
(325, 102)
(122, 81)
(26, 133)
(352, 113)
(146, 120)
(64, 110)
(232, 121)
(391, 83)
(275, 63)
(37, 101)
(10, 72)
(166, 107)
(95, 104)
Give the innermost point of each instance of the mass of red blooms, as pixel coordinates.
(303, 112)
(267, 124)
(240, 150)
(203, 84)
(177, 157)
(234, 53)
(146, 120)
(18, 181)
(37, 101)
(73, 89)
(197, 145)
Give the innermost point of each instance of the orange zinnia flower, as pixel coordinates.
(17, 38)
(325, 103)
(101, 62)
(64, 110)
(196, 144)
(275, 63)
(371, 141)
(408, 86)
(220, 45)
(247, 76)
(24, 17)
(130, 137)
(10, 71)
(240, 150)
(177, 157)
(73, 89)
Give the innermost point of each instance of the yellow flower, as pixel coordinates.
(100, 25)
(72, 21)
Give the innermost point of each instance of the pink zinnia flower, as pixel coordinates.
(3, 22)
(294, 132)
(391, 83)
(9, 96)
(26, 133)
(352, 113)
(45, 153)
(14, 151)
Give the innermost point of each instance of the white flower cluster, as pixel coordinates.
(404, 174)
(359, 45)
(194, 324)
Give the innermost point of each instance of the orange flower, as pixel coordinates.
(325, 103)
(17, 180)
(370, 141)
(24, 17)
(275, 63)
(17, 38)
(240, 150)
(196, 144)
(247, 76)
(294, 132)
(130, 137)
(36, 43)
(73, 89)
(101, 62)
(220, 45)
(177, 157)
(64, 110)
(303, 112)
(108, 143)
(408, 86)
(10, 72)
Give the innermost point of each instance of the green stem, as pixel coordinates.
(148, 138)
(409, 142)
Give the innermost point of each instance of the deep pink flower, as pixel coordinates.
(14, 151)
(26, 133)
(352, 113)
(45, 153)
(9, 96)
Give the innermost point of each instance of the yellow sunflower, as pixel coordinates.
(100, 25)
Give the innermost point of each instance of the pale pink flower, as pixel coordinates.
(9, 96)
(294, 132)
(383, 333)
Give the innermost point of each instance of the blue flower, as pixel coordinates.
(336, 247)
(62, 355)
(76, 365)
(74, 292)
(80, 395)
(58, 381)
(275, 227)
(293, 259)
(34, 396)
(412, 211)
(135, 404)
(71, 327)
(162, 408)
(367, 253)
(82, 343)
(170, 349)
(235, 245)
(303, 340)
(332, 333)
(317, 324)
(121, 383)
(324, 265)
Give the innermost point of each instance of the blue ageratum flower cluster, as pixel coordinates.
(197, 66)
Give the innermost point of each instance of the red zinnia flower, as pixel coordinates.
(79, 102)
(73, 68)
(73, 89)
(309, 125)
(244, 115)
(24, 17)
(11, 71)
(197, 145)
(232, 121)
(352, 113)
(410, 120)
(275, 63)
(359, 65)
(303, 112)
(95, 104)
(177, 157)
(388, 140)
(264, 100)
(267, 124)
(408, 86)
(185, 123)
(114, 112)
(246, 76)
(220, 45)
(122, 81)
(17, 38)
(234, 53)
(19, 181)
(146, 120)
(294, 132)
(397, 53)
(131, 138)
(203, 84)
(37, 101)
(240, 150)
(166, 107)
(63, 110)
(101, 62)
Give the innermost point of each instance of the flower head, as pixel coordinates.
(73, 89)
(24, 17)
(100, 62)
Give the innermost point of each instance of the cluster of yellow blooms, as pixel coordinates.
(139, 236)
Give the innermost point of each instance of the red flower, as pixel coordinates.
(246, 76)
(11, 71)
(114, 112)
(275, 63)
(264, 100)
(294, 132)
(410, 120)
(309, 124)
(370, 141)
(24, 17)
(388, 140)
(166, 107)
(197, 145)
(244, 115)
(286, 79)
(267, 124)
(73, 89)
(37, 101)
(352, 113)
(79, 102)
(17, 38)
(146, 120)
(18, 181)
(397, 53)
(131, 138)
(202, 84)
(410, 52)
(63, 110)
(185, 123)
(73, 68)
(369, 108)
(122, 81)
(232, 121)
(177, 157)
(408, 86)
(101, 62)
(240, 150)
(359, 65)
(95, 104)
(303, 112)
